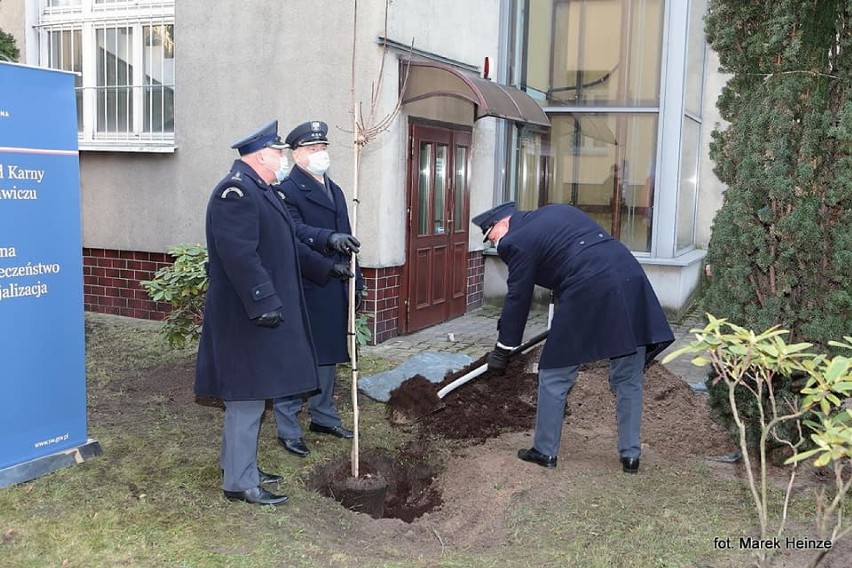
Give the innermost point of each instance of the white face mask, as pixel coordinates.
(318, 162)
(283, 169)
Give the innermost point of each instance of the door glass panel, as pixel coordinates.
(440, 188)
(459, 187)
(423, 189)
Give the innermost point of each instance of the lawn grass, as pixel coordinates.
(154, 498)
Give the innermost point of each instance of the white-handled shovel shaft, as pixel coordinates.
(462, 380)
(481, 369)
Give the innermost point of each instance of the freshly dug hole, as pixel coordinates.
(407, 477)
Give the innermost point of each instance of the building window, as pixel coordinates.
(597, 68)
(123, 51)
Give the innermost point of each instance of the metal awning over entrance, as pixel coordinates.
(427, 79)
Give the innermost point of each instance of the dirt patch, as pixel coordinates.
(675, 424)
(675, 419)
(408, 476)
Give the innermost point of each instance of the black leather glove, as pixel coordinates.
(498, 359)
(359, 299)
(269, 319)
(341, 242)
(340, 270)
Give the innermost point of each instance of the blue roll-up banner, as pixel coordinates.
(42, 335)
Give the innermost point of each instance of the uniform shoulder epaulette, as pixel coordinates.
(233, 186)
(231, 189)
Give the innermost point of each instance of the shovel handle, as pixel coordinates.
(462, 380)
(482, 368)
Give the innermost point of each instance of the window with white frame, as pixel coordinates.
(123, 51)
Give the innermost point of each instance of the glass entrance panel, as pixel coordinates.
(424, 189)
(593, 52)
(459, 188)
(440, 189)
(576, 163)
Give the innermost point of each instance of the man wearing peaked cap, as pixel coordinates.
(264, 137)
(245, 356)
(318, 207)
(606, 309)
(308, 134)
(487, 219)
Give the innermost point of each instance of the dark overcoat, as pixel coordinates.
(254, 268)
(316, 218)
(606, 306)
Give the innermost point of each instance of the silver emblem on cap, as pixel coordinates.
(315, 126)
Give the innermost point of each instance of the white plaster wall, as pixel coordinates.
(239, 65)
(463, 31)
(711, 189)
(12, 22)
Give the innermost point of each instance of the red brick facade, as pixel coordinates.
(111, 286)
(475, 280)
(111, 282)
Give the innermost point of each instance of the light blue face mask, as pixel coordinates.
(283, 169)
(318, 162)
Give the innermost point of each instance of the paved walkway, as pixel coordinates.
(475, 333)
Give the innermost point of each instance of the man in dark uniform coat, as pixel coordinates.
(319, 211)
(255, 343)
(606, 309)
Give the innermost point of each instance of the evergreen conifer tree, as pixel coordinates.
(781, 246)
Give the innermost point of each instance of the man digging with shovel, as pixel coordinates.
(606, 309)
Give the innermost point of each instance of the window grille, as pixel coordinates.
(124, 52)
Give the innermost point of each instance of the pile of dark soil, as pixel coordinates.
(675, 418)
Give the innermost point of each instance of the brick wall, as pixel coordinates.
(111, 282)
(475, 280)
(382, 301)
(111, 286)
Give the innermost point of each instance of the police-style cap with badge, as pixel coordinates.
(308, 134)
(264, 137)
(487, 219)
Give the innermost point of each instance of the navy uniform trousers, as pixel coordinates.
(238, 457)
(626, 376)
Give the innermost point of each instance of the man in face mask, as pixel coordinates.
(255, 343)
(318, 208)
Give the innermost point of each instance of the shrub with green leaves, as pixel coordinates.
(183, 284)
(749, 365)
(8, 47)
(781, 247)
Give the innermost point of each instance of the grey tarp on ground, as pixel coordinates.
(432, 365)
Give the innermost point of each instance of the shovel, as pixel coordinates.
(523, 348)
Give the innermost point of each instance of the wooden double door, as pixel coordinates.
(438, 196)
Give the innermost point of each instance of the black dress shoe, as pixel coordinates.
(630, 465)
(266, 477)
(338, 431)
(269, 477)
(256, 495)
(532, 455)
(294, 446)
